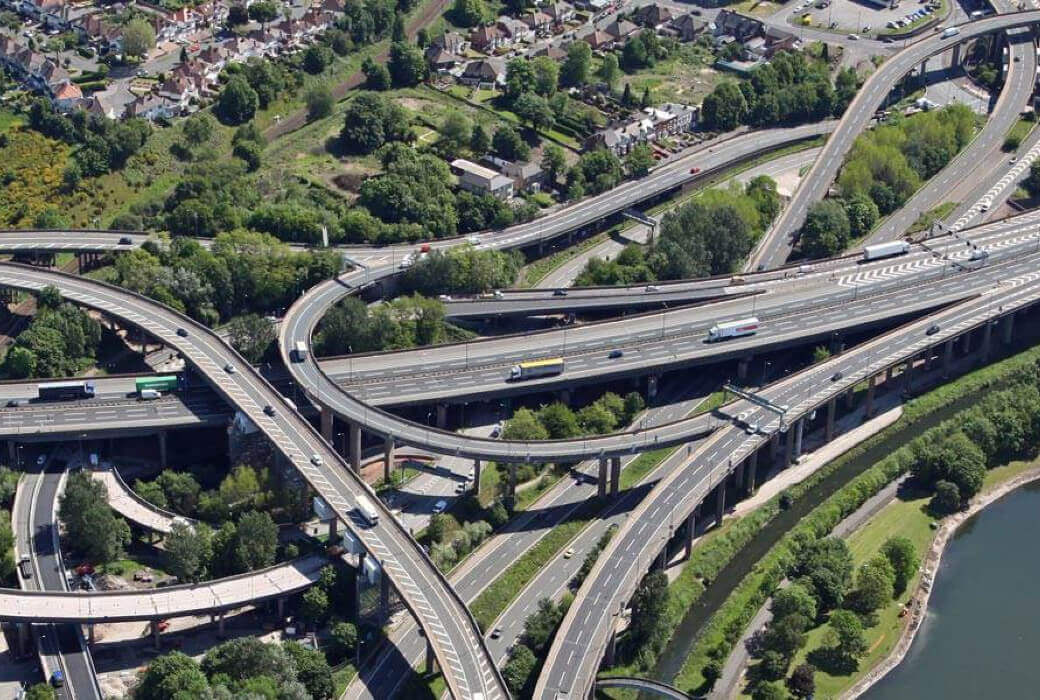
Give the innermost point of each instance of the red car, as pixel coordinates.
(694, 171)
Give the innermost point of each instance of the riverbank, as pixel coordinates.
(932, 559)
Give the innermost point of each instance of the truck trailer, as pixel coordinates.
(733, 329)
(885, 250)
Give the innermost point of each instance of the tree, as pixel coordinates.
(251, 335)
(541, 625)
(575, 69)
(794, 600)
(639, 160)
(312, 670)
(315, 606)
(947, 497)
(649, 603)
(508, 145)
(546, 75)
(20, 363)
(138, 38)
(874, 585)
(237, 102)
(802, 682)
(524, 425)
(256, 540)
(407, 65)
(609, 71)
(455, 130)
(198, 129)
(479, 141)
(173, 675)
(559, 421)
(862, 213)
(554, 160)
(1032, 182)
(248, 657)
(786, 635)
(377, 76)
(237, 15)
(724, 108)
(827, 564)
(826, 230)
(345, 638)
(902, 554)
(847, 640)
(93, 528)
(180, 489)
(316, 58)
(467, 13)
(319, 102)
(519, 668)
(370, 121)
(768, 691)
(534, 110)
(699, 239)
(712, 671)
(188, 550)
(397, 30)
(263, 11)
(40, 691)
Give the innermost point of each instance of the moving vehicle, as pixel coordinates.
(559, 292)
(25, 566)
(125, 240)
(440, 506)
(57, 679)
(367, 511)
(837, 376)
(885, 250)
(316, 460)
(182, 333)
(229, 368)
(166, 382)
(299, 351)
(652, 288)
(949, 31)
(694, 171)
(65, 391)
(979, 254)
(148, 394)
(733, 329)
(269, 410)
(616, 353)
(932, 329)
(537, 368)
(496, 633)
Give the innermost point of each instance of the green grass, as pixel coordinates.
(530, 494)
(1018, 132)
(8, 120)
(341, 678)
(127, 566)
(929, 217)
(536, 271)
(711, 402)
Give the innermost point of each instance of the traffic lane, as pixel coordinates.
(802, 391)
(443, 614)
(550, 304)
(391, 669)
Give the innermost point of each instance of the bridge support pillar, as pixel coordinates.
(967, 342)
(720, 502)
(1009, 324)
(831, 408)
(220, 625)
(12, 454)
(615, 475)
(868, 408)
(947, 358)
(388, 458)
(742, 368)
(850, 399)
(923, 70)
(431, 660)
(908, 375)
(155, 634)
(90, 633)
(23, 638)
(750, 476)
(662, 559)
(601, 481)
(928, 358)
(798, 429)
(774, 446)
(442, 415)
(789, 444)
(326, 423)
(651, 387)
(511, 487)
(691, 532)
(354, 446)
(476, 477)
(738, 476)
(956, 56)
(281, 608)
(564, 397)
(333, 529)
(987, 339)
(162, 449)
(608, 656)
(384, 596)
(888, 374)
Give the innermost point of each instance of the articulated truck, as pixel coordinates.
(733, 329)
(536, 368)
(885, 250)
(367, 510)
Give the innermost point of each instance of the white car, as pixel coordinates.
(440, 506)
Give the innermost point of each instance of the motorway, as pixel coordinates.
(859, 114)
(579, 645)
(453, 634)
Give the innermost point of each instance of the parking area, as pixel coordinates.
(865, 18)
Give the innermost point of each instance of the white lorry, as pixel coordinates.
(733, 329)
(885, 250)
(300, 351)
(367, 510)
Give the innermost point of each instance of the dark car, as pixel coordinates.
(126, 240)
(837, 376)
(496, 633)
(560, 293)
(614, 354)
(932, 329)
(269, 409)
(182, 333)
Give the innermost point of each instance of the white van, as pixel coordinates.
(149, 394)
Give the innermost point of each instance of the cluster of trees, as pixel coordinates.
(558, 421)
(450, 541)
(92, 528)
(824, 590)
(334, 591)
(8, 486)
(372, 120)
(527, 655)
(241, 272)
(883, 169)
(198, 552)
(243, 667)
(790, 88)
(1032, 181)
(462, 270)
(710, 235)
(103, 145)
(254, 85)
(59, 341)
(351, 326)
(414, 199)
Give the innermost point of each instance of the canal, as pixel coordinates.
(981, 636)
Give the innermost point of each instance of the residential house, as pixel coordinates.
(102, 105)
(515, 30)
(441, 60)
(560, 12)
(620, 30)
(540, 22)
(593, 5)
(452, 42)
(480, 180)
(740, 27)
(180, 90)
(66, 96)
(651, 124)
(653, 15)
(54, 14)
(48, 77)
(525, 176)
(552, 51)
(780, 40)
(152, 106)
(487, 73)
(687, 27)
(598, 40)
(488, 38)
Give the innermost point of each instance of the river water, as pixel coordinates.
(981, 636)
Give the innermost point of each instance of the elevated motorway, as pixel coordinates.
(453, 634)
(588, 626)
(858, 115)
